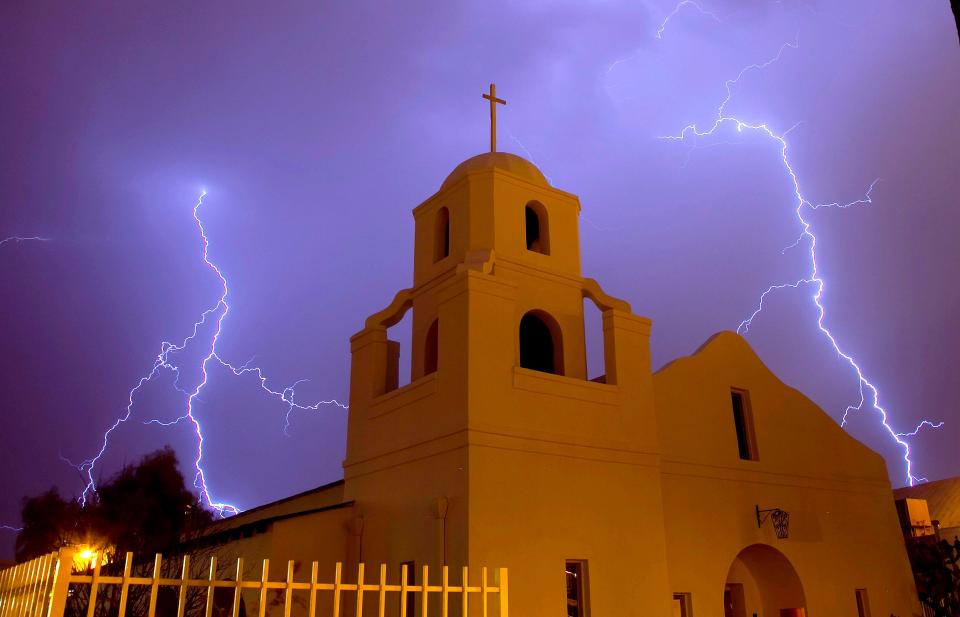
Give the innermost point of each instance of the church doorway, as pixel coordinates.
(762, 581)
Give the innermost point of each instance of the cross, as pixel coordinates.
(492, 97)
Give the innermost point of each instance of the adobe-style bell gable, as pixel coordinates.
(791, 434)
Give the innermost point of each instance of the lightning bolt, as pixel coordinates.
(869, 396)
(919, 427)
(663, 27)
(676, 9)
(19, 239)
(165, 362)
(11, 528)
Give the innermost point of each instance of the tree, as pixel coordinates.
(937, 574)
(145, 508)
(49, 522)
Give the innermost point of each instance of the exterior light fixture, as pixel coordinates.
(86, 556)
(780, 518)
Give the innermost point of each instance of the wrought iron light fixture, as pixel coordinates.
(780, 518)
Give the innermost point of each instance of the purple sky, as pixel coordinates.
(318, 127)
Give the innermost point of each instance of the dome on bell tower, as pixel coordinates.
(505, 161)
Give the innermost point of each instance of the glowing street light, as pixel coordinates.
(85, 557)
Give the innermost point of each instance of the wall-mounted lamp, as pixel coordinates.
(780, 518)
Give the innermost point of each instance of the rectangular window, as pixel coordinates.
(411, 580)
(863, 603)
(577, 588)
(682, 605)
(743, 423)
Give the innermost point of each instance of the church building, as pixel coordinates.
(708, 488)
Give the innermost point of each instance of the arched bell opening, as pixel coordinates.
(541, 343)
(537, 228)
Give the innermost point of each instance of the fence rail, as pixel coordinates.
(43, 586)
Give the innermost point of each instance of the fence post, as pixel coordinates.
(483, 588)
(403, 591)
(125, 584)
(34, 572)
(336, 589)
(383, 590)
(237, 589)
(445, 591)
(208, 612)
(43, 590)
(360, 590)
(154, 585)
(264, 580)
(61, 582)
(502, 585)
(185, 575)
(312, 610)
(466, 599)
(423, 590)
(288, 590)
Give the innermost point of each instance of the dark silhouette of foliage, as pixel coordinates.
(937, 574)
(49, 522)
(145, 508)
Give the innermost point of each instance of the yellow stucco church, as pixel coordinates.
(708, 488)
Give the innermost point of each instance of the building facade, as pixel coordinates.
(707, 488)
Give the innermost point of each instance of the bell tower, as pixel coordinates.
(500, 451)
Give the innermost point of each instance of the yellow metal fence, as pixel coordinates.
(27, 588)
(47, 587)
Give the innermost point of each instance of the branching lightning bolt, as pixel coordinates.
(868, 393)
(164, 361)
(919, 427)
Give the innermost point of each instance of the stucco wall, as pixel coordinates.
(844, 533)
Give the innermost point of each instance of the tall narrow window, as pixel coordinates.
(577, 589)
(743, 423)
(431, 348)
(863, 603)
(441, 235)
(537, 232)
(541, 348)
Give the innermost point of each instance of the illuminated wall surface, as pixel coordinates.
(314, 130)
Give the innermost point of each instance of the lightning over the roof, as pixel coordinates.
(812, 280)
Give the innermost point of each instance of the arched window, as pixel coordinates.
(541, 346)
(538, 237)
(431, 348)
(441, 235)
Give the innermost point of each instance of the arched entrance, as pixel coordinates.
(761, 581)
